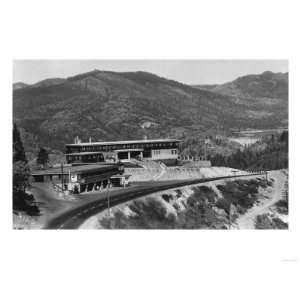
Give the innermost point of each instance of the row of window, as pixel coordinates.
(85, 158)
(115, 147)
(157, 152)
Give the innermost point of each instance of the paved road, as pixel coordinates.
(74, 217)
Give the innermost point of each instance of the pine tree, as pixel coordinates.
(18, 149)
(21, 200)
(20, 167)
(43, 157)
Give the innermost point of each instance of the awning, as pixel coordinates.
(126, 176)
(83, 153)
(128, 150)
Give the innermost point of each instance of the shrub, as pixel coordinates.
(167, 197)
(279, 224)
(263, 222)
(282, 206)
(241, 193)
(25, 202)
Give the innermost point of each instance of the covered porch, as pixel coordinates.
(128, 154)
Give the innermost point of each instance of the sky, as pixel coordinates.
(185, 71)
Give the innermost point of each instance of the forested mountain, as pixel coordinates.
(267, 87)
(109, 105)
(49, 82)
(270, 153)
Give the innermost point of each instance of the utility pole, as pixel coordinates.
(229, 216)
(69, 183)
(108, 204)
(206, 142)
(62, 176)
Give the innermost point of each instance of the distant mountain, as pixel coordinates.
(109, 106)
(266, 85)
(19, 85)
(42, 83)
(49, 82)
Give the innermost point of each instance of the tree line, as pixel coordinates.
(22, 201)
(269, 154)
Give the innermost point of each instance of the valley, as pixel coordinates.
(110, 106)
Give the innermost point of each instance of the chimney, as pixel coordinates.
(145, 137)
(77, 140)
(90, 140)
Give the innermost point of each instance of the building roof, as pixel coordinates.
(126, 176)
(74, 169)
(126, 142)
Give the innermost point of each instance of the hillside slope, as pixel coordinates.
(267, 88)
(213, 205)
(19, 85)
(109, 106)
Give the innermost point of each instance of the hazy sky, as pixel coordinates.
(186, 71)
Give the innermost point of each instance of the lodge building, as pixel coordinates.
(160, 149)
(92, 166)
(82, 178)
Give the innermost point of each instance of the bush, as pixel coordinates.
(263, 222)
(266, 222)
(282, 206)
(241, 193)
(25, 202)
(167, 197)
(279, 224)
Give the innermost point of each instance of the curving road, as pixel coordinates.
(74, 217)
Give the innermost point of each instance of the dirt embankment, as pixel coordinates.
(271, 211)
(213, 205)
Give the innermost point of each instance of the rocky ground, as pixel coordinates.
(248, 203)
(271, 211)
(225, 204)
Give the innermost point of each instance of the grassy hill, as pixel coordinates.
(109, 105)
(268, 88)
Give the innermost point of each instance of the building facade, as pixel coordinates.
(159, 149)
(78, 179)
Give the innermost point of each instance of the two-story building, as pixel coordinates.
(156, 149)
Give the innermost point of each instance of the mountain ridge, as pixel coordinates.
(265, 85)
(19, 85)
(110, 105)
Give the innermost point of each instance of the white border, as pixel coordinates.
(148, 264)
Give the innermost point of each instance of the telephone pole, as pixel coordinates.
(229, 216)
(62, 176)
(108, 204)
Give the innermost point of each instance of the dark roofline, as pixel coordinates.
(126, 142)
(74, 169)
(84, 153)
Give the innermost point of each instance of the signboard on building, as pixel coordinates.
(73, 178)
